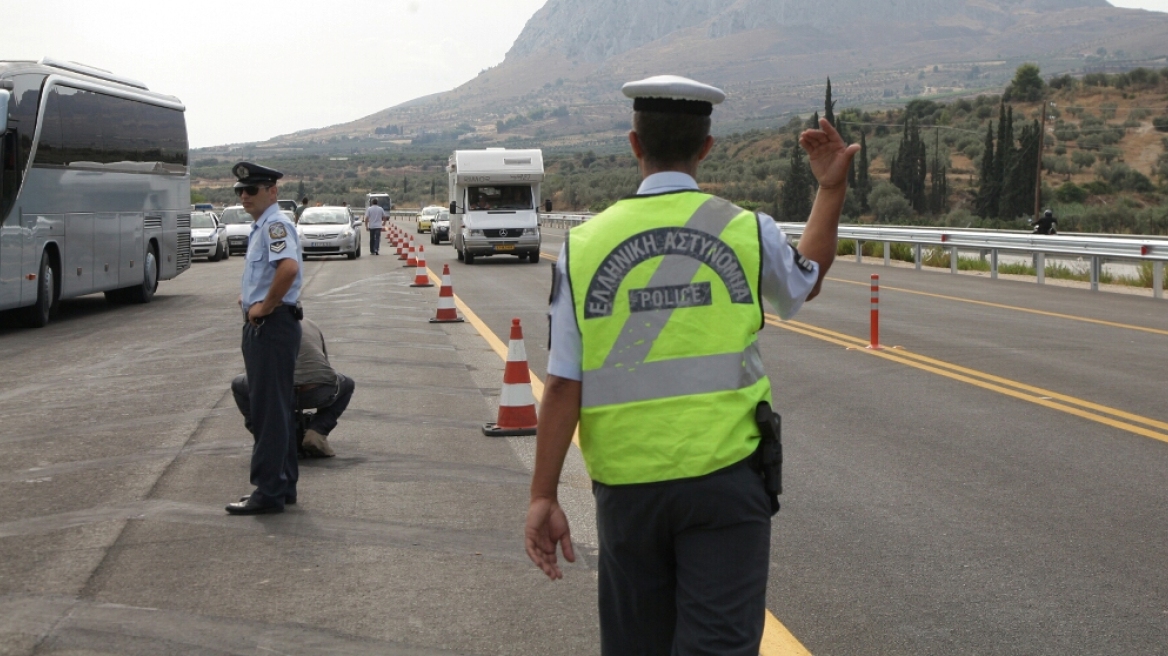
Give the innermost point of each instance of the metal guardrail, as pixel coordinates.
(564, 221)
(1097, 249)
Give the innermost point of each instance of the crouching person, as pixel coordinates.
(317, 386)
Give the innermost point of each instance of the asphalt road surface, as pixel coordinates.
(994, 486)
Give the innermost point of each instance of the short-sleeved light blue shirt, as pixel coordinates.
(375, 216)
(785, 283)
(273, 238)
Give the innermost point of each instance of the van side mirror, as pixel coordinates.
(547, 205)
(4, 96)
(453, 207)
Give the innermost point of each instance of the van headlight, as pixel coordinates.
(476, 233)
(531, 231)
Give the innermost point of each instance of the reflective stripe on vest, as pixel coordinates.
(656, 405)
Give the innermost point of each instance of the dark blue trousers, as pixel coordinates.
(269, 356)
(683, 565)
(375, 240)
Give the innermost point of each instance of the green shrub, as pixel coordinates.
(1070, 192)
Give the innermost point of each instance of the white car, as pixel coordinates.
(328, 231)
(208, 237)
(238, 228)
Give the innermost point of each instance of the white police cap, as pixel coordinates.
(673, 94)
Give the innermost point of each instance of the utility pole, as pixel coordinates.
(1038, 178)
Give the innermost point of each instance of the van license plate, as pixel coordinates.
(504, 247)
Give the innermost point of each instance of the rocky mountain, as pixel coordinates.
(559, 84)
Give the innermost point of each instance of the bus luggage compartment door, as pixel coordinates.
(77, 276)
(132, 250)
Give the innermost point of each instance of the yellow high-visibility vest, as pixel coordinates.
(666, 295)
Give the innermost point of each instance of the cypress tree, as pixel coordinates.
(863, 182)
(938, 179)
(1008, 154)
(986, 203)
(1018, 188)
(795, 196)
(829, 105)
(813, 122)
(910, 166)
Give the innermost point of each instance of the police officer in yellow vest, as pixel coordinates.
(656, 307)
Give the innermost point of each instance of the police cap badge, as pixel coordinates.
(254, 174)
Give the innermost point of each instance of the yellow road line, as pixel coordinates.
(1070, 317)
(776, 639)
(1039, 396)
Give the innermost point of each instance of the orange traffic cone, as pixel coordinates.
(421, 276)
(402, 251)
(446, 311)
(516, 402)
(412, 261)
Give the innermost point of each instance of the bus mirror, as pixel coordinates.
(4, 94)
(547, 205)
(453, 207)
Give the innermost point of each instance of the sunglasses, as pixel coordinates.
(251, 190)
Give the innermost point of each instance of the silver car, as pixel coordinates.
(237, 222)
(208, 237)
(440, 227)
(328, 231)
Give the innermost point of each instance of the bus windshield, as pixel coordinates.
(503, 197)
(235, 215)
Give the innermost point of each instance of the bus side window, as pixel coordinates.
(8, 171)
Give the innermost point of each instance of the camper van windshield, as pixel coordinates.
(500, 198)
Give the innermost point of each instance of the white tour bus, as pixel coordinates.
(493, 197)
(94, 187)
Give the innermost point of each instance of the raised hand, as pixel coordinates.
(828, 155)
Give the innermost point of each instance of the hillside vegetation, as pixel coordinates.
(1104, 162)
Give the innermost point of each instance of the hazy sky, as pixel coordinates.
(248, 73)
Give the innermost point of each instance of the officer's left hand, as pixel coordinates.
(829, 156)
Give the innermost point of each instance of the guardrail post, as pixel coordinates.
(994, 263)
(1096, 265)
(1158, 280)
(953, 260)
(874, 341)
(859, 252)
(917, 255)
(887, 253)
(1040, 267)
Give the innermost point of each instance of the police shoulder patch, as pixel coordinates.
(800, 261)
(277, 231)
(278, 246)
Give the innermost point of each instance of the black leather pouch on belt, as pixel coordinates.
(770, 452)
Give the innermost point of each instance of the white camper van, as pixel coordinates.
(494, 195)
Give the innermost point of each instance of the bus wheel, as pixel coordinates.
(144, 292)
(38, 314)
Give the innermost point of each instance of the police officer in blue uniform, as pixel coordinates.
(271, 340)
(669, 426)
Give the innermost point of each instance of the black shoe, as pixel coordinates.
(288, 501)
(250, 507)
